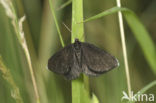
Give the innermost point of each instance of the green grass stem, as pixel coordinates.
(124, 48)
(78, 86)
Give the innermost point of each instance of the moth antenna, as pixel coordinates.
(66, 27)
(83, 36)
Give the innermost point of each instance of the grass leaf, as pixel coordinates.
(143, 38)
(147, 87)
(143, 90)
(94, 99)
(56, 22)
(105, 13)
(65, 5)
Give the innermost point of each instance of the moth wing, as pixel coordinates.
(64, 62)
(97, 60)
(60, 62)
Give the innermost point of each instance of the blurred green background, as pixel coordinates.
(43, 41)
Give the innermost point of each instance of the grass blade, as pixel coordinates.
(143, 90)
(65, 5)
(56, 23)
(94, 99)
(142, 35)
(105, 13)
(147, 87)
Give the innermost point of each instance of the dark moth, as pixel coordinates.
(81, 57)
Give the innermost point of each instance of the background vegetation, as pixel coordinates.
(43, 41)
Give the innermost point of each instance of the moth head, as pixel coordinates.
(77, 44)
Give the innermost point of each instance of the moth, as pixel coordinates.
(81, 57)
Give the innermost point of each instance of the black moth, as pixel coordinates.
(81, 57)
